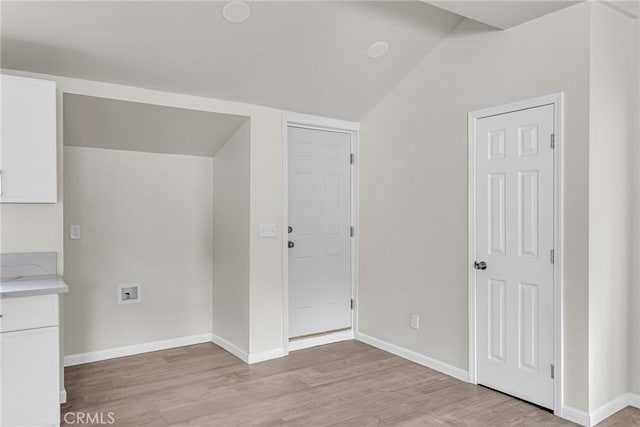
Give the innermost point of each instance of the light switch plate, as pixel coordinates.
(74, 233)
(267, 230)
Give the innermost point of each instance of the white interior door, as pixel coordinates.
(320, 221)
(515, 237)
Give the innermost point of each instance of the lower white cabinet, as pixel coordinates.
(29, 363)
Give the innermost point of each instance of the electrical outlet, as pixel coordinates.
(130, 293)
(415, 321)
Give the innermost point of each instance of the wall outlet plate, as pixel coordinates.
(130, 293)
(415, 321)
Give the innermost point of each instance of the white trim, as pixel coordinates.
(557, 100)
(558, 270)
(303, 343)
(575, 415)
(285, 232)
(321, 123)
(307, 120)
(231, 348)
(420, 359)
(471, 226)
(130, 350)
(603, 412)
(266, 355)
(247, 358)
(608, 409)
(634, 400)
(63, 395)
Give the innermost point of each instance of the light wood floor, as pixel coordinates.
(347, 384)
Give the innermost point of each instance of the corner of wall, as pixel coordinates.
(612, 201)
(266, 207)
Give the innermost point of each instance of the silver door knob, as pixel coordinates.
(480, 265)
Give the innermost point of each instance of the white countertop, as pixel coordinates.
(30, 286)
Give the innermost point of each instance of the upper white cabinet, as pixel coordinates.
(28, 140)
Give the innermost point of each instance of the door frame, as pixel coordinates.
(558, 216)
(326, 124)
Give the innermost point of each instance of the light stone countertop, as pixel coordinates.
(30, 286)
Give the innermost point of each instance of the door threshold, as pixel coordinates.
(544, 408)
(313, 340)
(319, 334)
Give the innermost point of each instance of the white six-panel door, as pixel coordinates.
(320, 217)
(515, 237)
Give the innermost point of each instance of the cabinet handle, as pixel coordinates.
(0, 182)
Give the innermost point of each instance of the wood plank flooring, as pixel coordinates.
(343, 384)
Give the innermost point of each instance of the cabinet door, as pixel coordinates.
(29, 378)
(28, 140)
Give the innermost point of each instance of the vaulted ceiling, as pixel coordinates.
(300, 56)
(303, 56)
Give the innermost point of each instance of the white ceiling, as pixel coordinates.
(500, 13)
(303, 56)
(307, 56)
(505, 14)
(120, 125)
(630, 8)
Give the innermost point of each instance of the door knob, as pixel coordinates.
(480, 265)
(291, 244)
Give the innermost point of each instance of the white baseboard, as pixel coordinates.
(575, 415)
(266, 355)
(248, 358)
(602, 413)
(321, 340)
(231, 348)
(130, 350)
(635, 400)
(605, 411)
(418, 358)
(63, 396)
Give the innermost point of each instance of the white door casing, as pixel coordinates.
(319, 211)
(514, 226)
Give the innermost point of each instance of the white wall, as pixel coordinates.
(267, 327)
(265, 198)
(413, 191)
(611, 141)
(145, 218)
(634, 300)
(231, 240)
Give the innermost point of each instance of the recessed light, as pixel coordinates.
(378, 49)
(236, 11)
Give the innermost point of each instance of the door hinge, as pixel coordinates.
(553, 140)
(553, 371)
(351, 158)
(351, 303)
(353, 232)
(553, 256)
